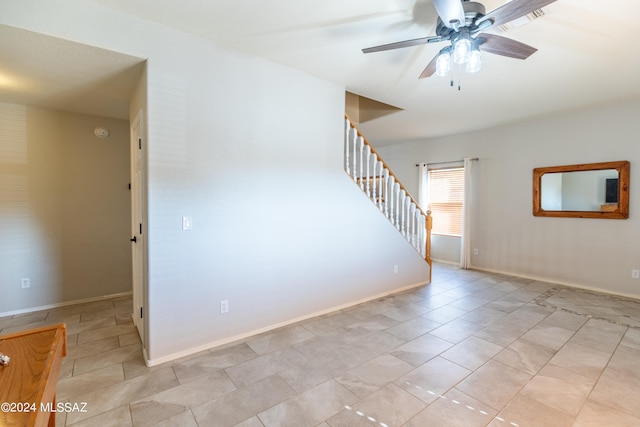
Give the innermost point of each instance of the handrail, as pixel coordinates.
(408, 230)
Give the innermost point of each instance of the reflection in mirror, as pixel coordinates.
(580, 190)
(594, 190)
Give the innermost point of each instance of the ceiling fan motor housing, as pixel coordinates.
(472, 12)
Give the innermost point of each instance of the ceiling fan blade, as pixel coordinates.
(503, 46)
(430, 69)
(450, 11)
(406, 43)
(513, 10)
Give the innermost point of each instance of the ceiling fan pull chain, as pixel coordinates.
(454, 74)
(458, 76)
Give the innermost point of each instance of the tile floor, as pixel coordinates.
(471, 349)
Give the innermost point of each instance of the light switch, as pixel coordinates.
(186, 223)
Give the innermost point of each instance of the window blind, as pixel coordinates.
(446, 196)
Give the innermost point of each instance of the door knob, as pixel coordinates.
(134, 239)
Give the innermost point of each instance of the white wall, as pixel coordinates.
(64, 207)
(252, 151)
(595, 253)
(445, 249)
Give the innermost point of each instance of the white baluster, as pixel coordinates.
(408, 214)
(368, 151)
(408, 218)
(418, 231)
(398, 209)
(375, 183)
(354, 158)
(361, 141)
(412, 213)
(346, 146)
(392, 196)
(423, 235)
(405, 215)
(396, 204)
(379, 179)
(385, 192)
(374, 164)
(410, 223)
(403, 228)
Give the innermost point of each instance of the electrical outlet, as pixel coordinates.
(25, 283)
(635, 274)
(475, 251)
(395, 268)
(224, 306)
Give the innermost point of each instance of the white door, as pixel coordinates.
(137, 215)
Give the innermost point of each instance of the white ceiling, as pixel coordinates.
(587, 56)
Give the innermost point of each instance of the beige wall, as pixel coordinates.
(64, 207)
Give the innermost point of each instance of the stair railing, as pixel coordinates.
(367, 169)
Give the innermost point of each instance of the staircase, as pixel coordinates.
(363, 164)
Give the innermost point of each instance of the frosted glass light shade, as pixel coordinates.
(443, 64)
(475, 62)
(461, 50)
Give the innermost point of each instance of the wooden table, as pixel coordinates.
(28, 382)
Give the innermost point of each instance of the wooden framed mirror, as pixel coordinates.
(591, 190)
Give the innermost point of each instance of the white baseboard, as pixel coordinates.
(442, 261)
(557, 282)
(64, 304)
(237, 338)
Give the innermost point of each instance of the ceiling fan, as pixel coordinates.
(461, 22)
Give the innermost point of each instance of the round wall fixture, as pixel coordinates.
(101, 132)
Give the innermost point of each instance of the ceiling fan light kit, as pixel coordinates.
(460, 22)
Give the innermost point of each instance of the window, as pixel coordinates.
(446, 196)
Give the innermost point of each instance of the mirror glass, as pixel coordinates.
(580, 191)
(592, 190)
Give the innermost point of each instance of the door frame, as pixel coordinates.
(138, 226)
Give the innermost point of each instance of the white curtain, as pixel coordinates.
(423, 186)
(465, 244)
